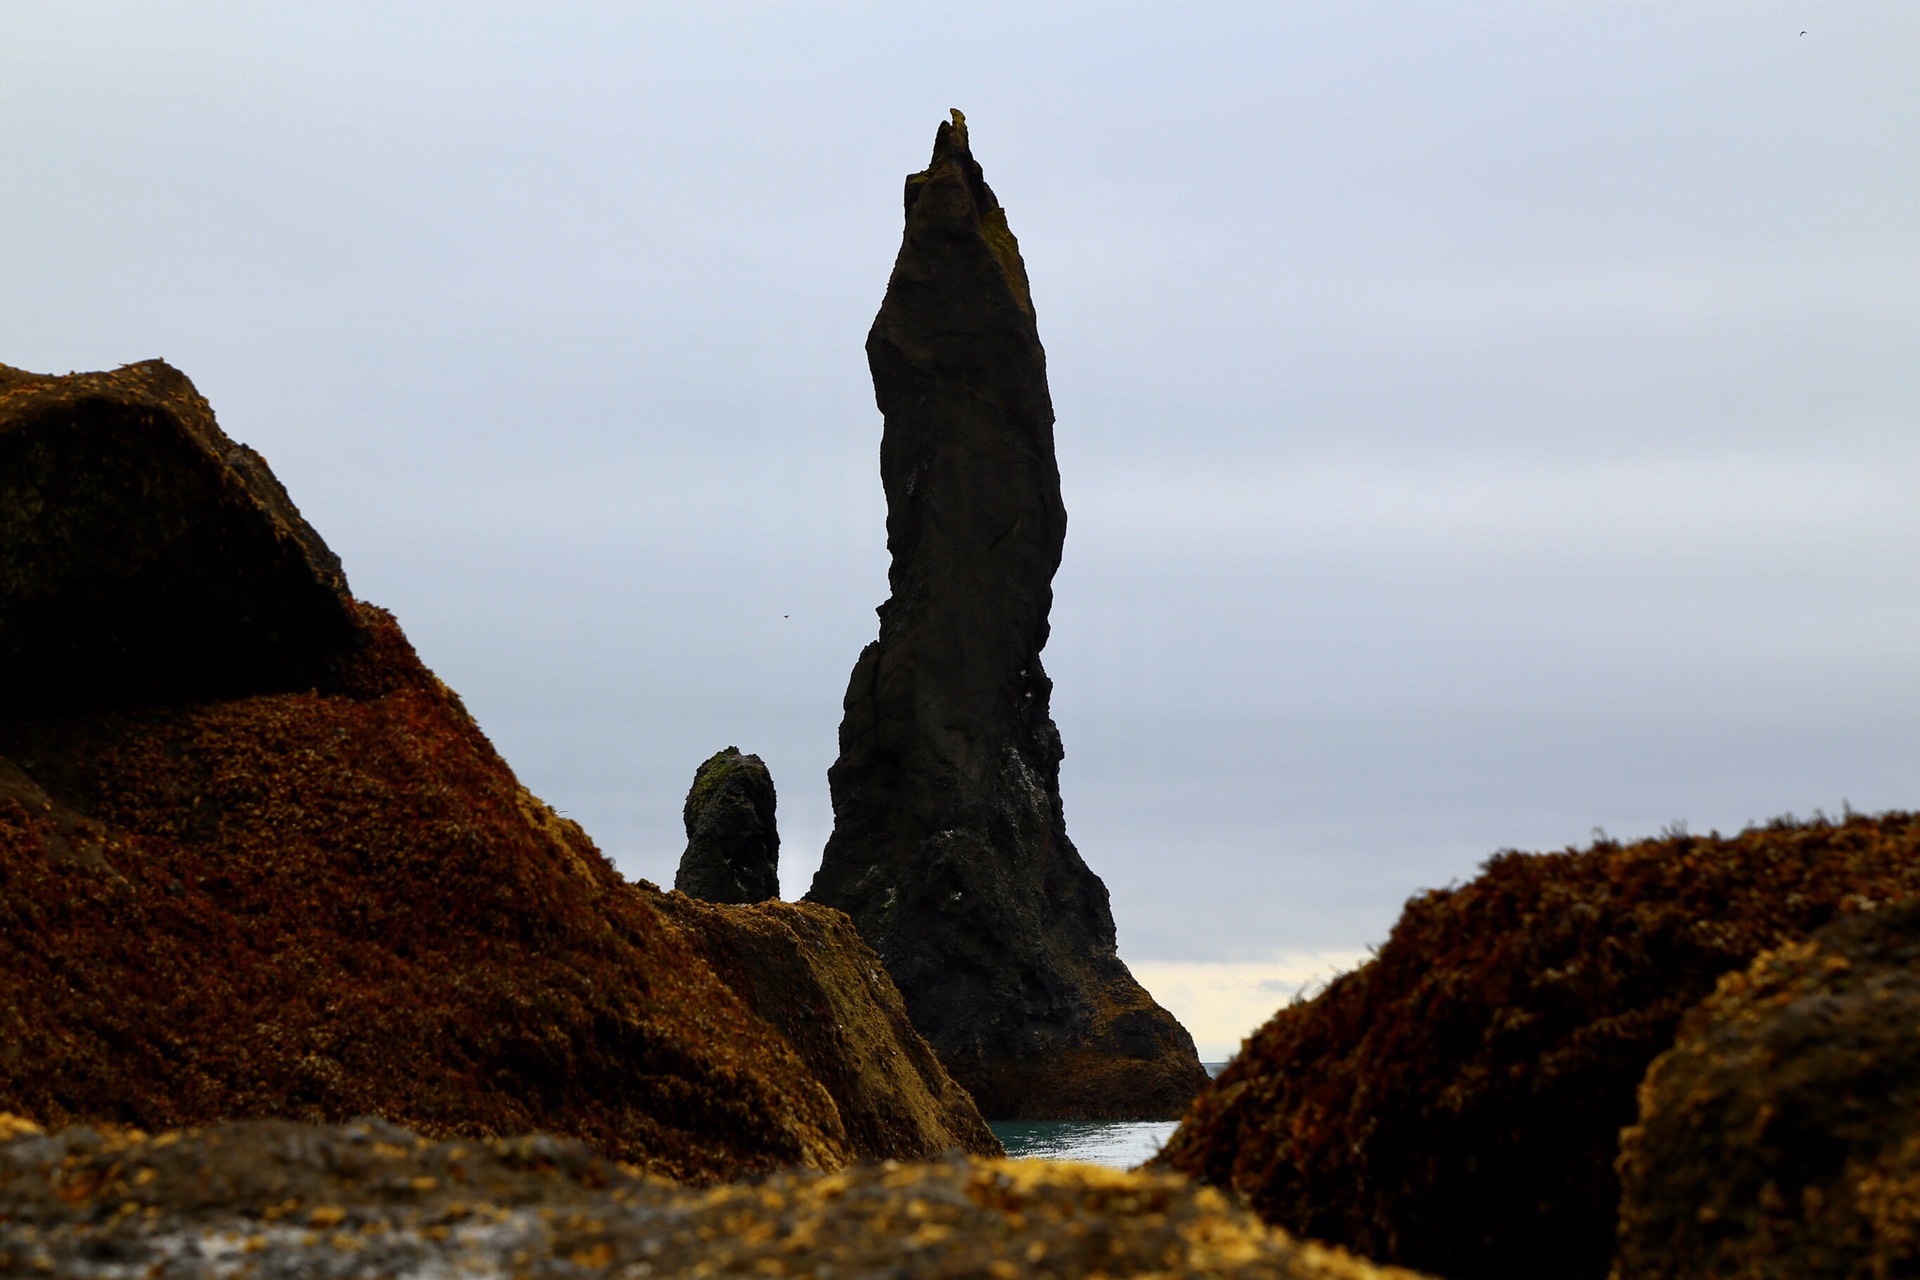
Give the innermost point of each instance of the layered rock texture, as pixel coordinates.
(733, 846)
(1780, 1136)
(275, 1199)
(949, 848)
(1455, 1104)
(255, 860)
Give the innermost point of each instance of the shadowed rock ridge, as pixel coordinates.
(146, 557)
(949, 848)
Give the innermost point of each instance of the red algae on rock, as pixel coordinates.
(256, 860)
(1455, 1103)
(327, 904)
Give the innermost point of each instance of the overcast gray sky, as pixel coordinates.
(1479, 423)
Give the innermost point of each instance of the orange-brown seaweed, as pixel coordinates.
(1455, 1104)
(1780, 1136)
(321, 904)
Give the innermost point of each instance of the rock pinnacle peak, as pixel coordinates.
(949, 847)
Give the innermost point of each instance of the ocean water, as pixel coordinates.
(1120, 1144)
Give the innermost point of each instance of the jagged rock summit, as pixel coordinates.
(733, 847)
(949, 848)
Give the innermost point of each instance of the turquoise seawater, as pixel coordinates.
(1121, 1144)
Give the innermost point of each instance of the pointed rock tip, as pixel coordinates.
(953, 151)
(953, 158)
(950, 140)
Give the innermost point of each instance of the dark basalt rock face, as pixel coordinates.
(1780, 1136)
(145, 557)
(949, 849)
(733, 848)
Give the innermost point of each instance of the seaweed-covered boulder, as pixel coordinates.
(274, 1199)
(949, 845)
(805, 969)
(325, 904)
(733, 847)
(307, 886)
(145, 556)
(1455, 1104)
(1780, 1136)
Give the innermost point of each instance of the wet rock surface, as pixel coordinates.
(804, 969)
(949, 847)
(145, 556)
(1455, 1104)
(733, 845)
(1780, 1136)
(272, 1199)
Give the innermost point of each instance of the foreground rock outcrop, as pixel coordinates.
(1455, 1104)
(259, 861)
(273, 1199)
(1780, 1136)
(733, 845)
(949, 847)
(804, 969)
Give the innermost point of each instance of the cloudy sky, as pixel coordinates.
(1480, 423)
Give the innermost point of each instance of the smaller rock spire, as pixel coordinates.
(733, 848)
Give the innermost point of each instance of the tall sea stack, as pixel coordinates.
(949, 848)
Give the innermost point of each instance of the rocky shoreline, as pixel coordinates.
(262, 878)
(278, 1199)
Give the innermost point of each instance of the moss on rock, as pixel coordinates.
(330, 904)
